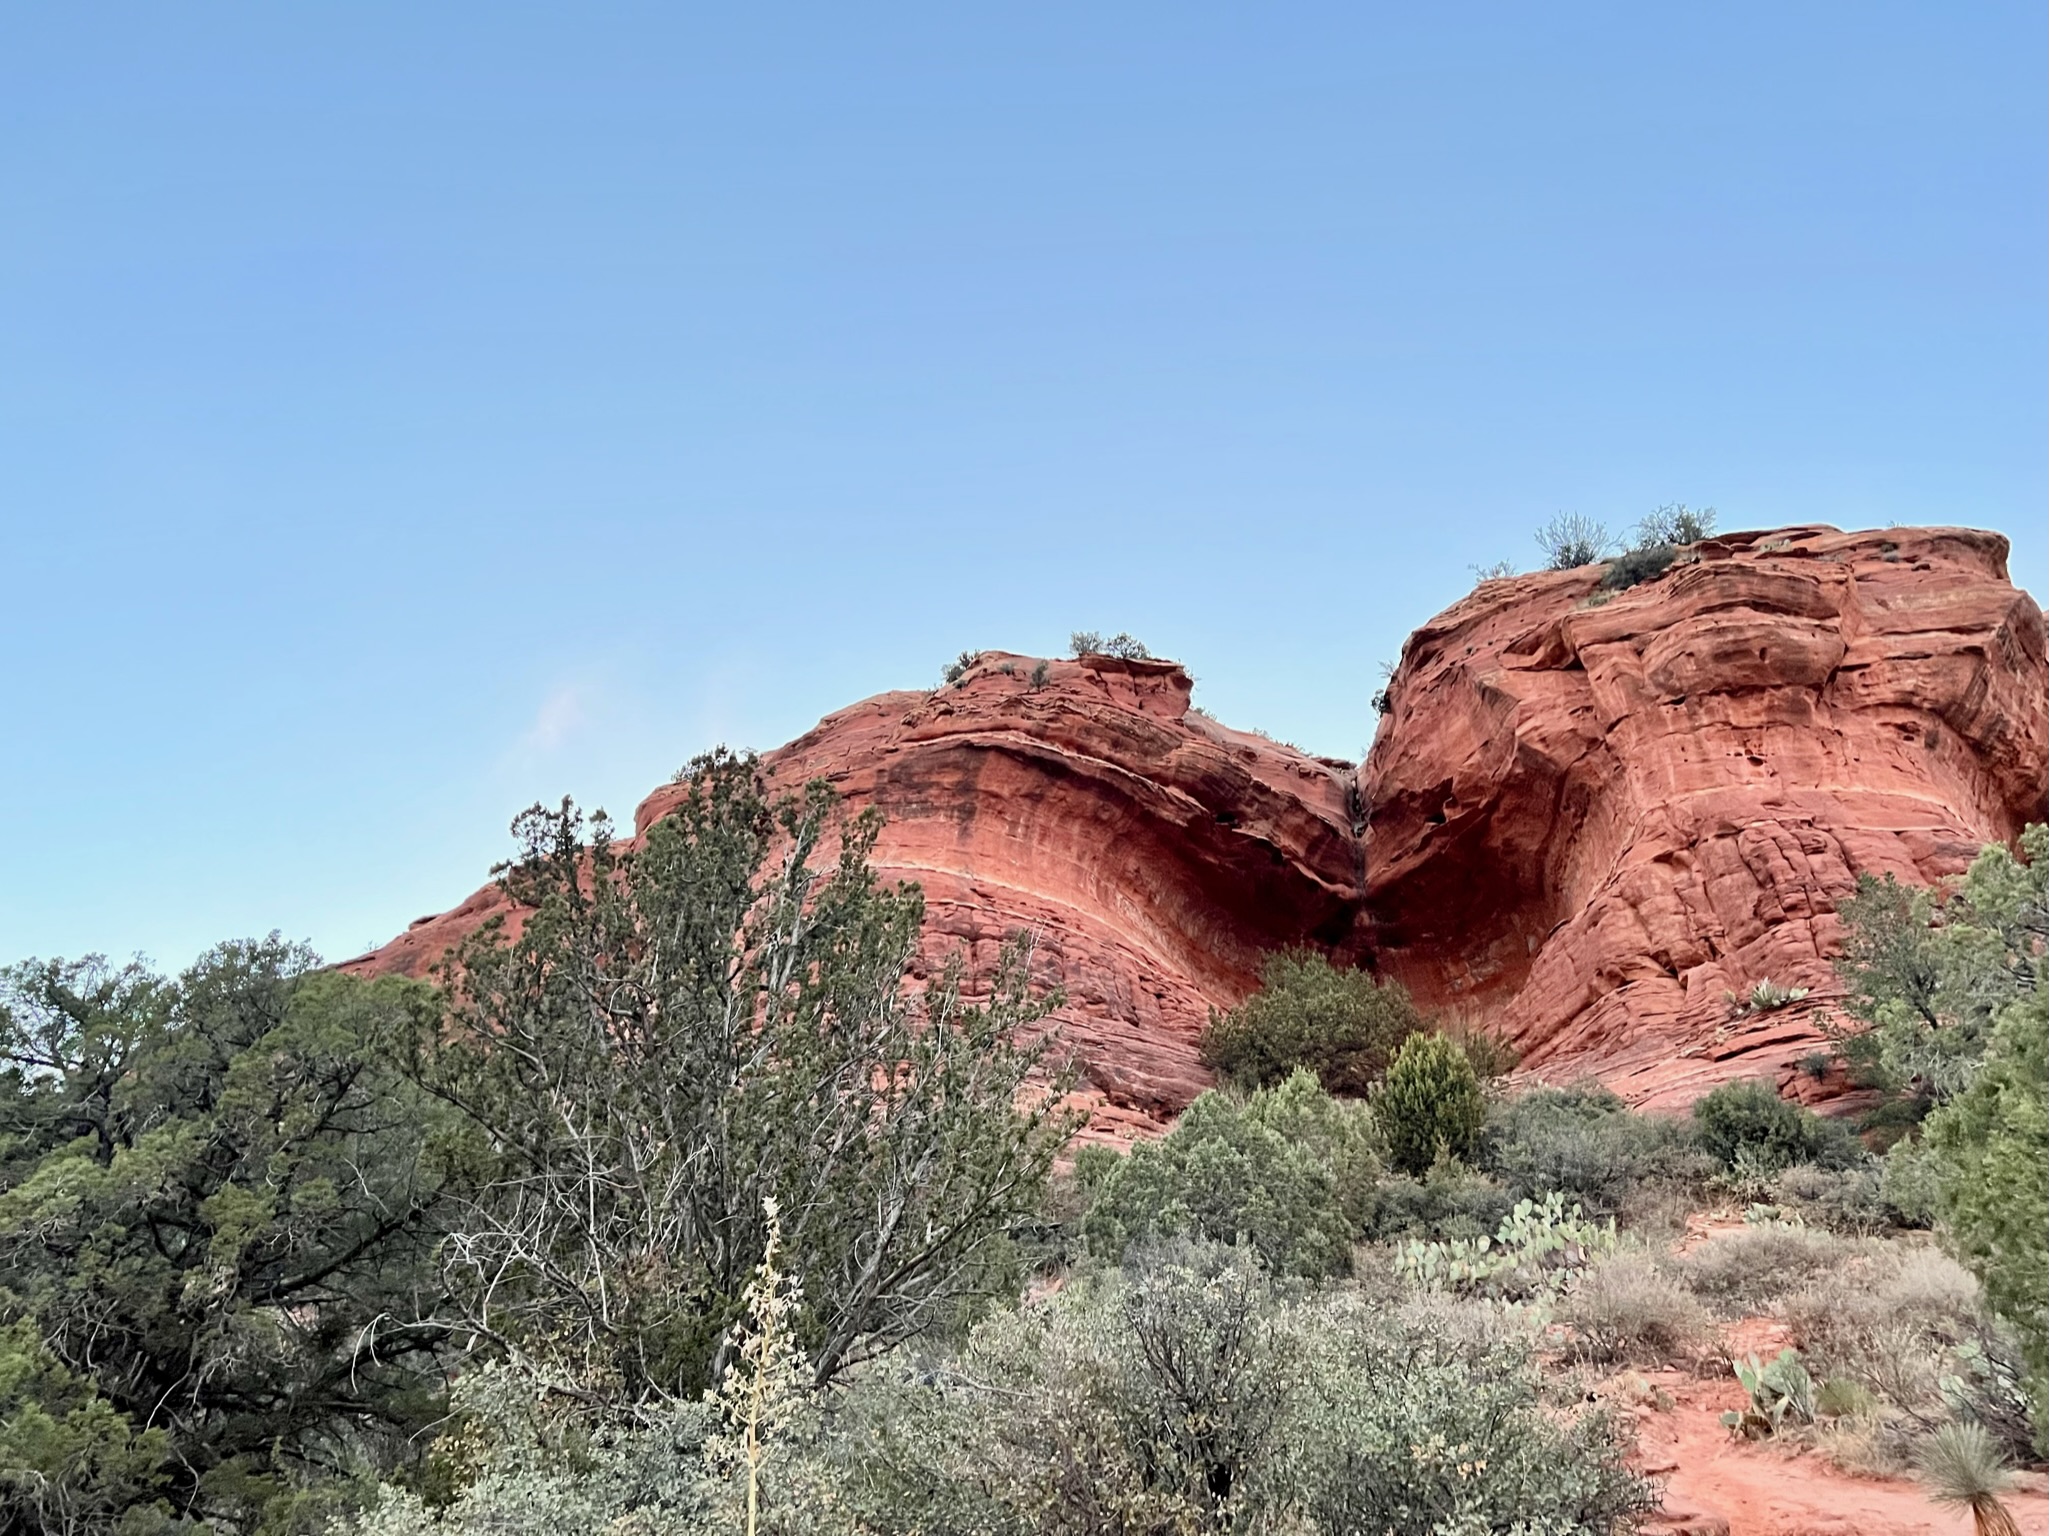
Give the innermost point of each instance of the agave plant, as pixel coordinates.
(1963, 1467)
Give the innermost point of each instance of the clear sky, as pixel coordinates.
(409, 411)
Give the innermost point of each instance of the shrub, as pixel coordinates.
(1430, 1105)
(1289, 1172)
(1570, 540)
(1086, 642)
(1583, 1142)
(957, 669)
(1630, 1309)
(1342, 1025)
(1449, 1201)
(1842, 1199)
(1747, 1272)
(1635, 566)
(1750, 1117)
(1676, 523)
(1190, 1397)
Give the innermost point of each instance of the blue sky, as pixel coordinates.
(407, 412)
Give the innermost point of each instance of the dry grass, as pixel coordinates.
(1751, 1272)
(1631, 1310)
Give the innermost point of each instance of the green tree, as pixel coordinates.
(1342, 1025)
(1431, 1105)
(1953, 988)
(1991, 1144)
(216, 1227)
(687, 1028)
(1929, 972)
(1289, 1172)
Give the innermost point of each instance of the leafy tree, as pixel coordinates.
(1289, 1171)
(1342, 1025)
(1991, 1145)
(1930, 971)
(686, 1029)
(1953, 987)
(1431, 1105)
(216, 1218)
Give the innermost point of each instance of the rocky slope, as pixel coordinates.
(1588, 819)
(1592, 820)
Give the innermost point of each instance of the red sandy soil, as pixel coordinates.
(1718, 1485)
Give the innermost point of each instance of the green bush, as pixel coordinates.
(1750, 1120)
(1289, 1171)
(1431, 1104)
(1191, 1397)
(1993, 1146)
(1634, 566)
(1342, 1025)
(1449, 1201)
(1582, 1142)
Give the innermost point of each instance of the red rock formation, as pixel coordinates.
(1155, 854)
(1590, 821)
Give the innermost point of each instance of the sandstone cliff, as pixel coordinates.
(1155, 854)
(1591, 823)
(1589, 820)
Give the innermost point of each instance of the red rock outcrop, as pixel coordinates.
(1589, 822)
(1155, 855)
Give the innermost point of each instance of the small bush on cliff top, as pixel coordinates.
(1087, 642)
(1570, 540)
(1676, 523)
(1431, 1105)
(1341, 1025)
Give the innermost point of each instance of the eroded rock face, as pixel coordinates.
(1154, 854)
(1590, 821)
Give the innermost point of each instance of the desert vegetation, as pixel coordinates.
(684, 1207)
